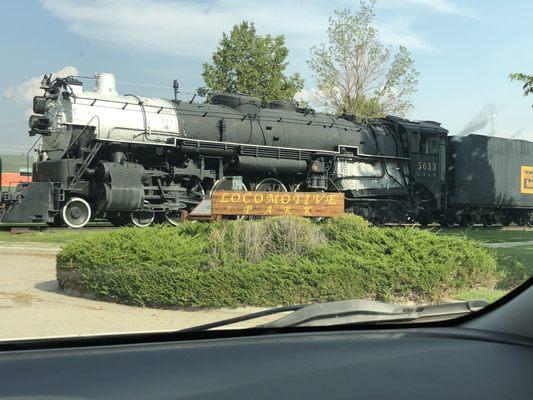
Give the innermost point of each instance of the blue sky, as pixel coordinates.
(464, 50)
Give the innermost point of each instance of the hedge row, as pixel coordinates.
(275, 261)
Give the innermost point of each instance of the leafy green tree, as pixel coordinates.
(526, 79)
(246, 62)
(356, 73)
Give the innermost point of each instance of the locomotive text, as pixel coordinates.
(309, 204)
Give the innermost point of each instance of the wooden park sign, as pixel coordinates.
(306, 204)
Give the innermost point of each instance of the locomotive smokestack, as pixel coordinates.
(105, 84)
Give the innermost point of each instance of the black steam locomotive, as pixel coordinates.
(134, 159)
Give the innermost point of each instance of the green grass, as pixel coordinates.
(488, 235)
(490, 295)
(492, 235)
(517, 261)
(59, 236)
(524, 254)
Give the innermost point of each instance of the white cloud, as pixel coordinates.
(26, 91)
(438, 6)
(312, 98)
(179, 28)
(306, 94)
(192, 29)
(400, 31)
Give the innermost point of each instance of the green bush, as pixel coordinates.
(274, 261)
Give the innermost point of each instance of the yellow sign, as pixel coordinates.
(307, 204)
(526, 180)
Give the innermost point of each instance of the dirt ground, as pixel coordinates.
(32, 305)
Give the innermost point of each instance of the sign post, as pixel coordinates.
(305, 204)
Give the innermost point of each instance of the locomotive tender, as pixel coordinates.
(127, 158)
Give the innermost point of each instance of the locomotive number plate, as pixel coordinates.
(307, 204)
(526, 180)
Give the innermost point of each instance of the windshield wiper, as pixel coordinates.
(247, 317)
(351, 312)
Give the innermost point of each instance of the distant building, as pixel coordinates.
(14, 169)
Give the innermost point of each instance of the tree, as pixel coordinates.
(526, 79)
(246, 62)
(356, 73)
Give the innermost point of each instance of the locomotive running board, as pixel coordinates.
(259, 150)
(202, 211)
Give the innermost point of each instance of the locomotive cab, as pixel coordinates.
(427, 154)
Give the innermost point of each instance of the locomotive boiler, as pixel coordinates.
(126, 158)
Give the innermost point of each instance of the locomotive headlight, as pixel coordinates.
(39, 125)
(39, 104)
(32, 121)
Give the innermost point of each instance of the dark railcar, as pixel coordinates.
(492, 173)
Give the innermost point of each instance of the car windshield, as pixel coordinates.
(175, 165)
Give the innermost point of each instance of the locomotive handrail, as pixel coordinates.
(83, 130)
(140, 103)
(86, 162)
(28, 153)
(76, 178)
(254, 145)
(158, 132)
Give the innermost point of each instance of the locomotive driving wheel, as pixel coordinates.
(302, 187)
(448, 220)
(173, 217)
(529, 219)
(524, 219)
(270, 185)
(468, 221)
(142, 218)
(76, 212)
(487, 220)
(507, 220)
(227, 184)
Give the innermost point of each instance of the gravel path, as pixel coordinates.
(32, 304)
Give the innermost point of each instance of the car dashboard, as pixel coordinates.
(429, 363)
